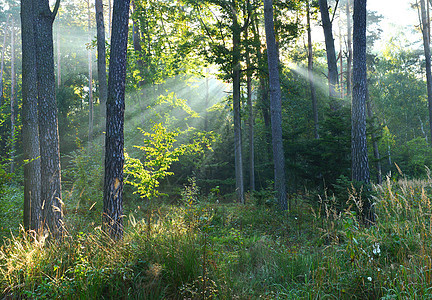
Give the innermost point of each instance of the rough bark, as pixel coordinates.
(114, 140)
(427, 52)
(30, 131)
(360, 163)
(52, 213)
(12, 98)
(333, 78)
(236, 111)
(311, 75)
(101, 58)
(275, 106)
(350, 54)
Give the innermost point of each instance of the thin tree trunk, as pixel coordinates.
(12, 97)
(101, 59)
(114, 139)
(426, 45)
(47, 113)
(237, 118)
(360, 162)
(90, 69)
(58, 58)
(350, 54)
(275, 106)
(311, 75)
(109, 19)
(333, 77)
(374, 142)
(30, 131)
(341, 87)
(251, 121)
(2, 63)
(206, 101)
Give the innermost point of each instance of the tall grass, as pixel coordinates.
(227, 251)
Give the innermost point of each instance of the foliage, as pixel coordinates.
(160, 152)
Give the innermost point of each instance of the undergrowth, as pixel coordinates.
(207, 250)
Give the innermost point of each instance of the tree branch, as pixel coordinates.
(56, 8)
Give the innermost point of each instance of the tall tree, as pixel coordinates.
(310, 73)
(359, 153)
(349, 45)
(427, 52)
(114, 140)
(101, 57)
(52, 212)
(251, 117)
(2, 62)
(275, 106)
(333, 78)
(30, 131)
(13, 98)
(90, 70)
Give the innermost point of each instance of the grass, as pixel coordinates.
(228, 251)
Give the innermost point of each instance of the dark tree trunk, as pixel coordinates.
(360, 163)
(90, 68)
(427, 52)
(311, 75)
(275, 106)
(47, 113)
(114, 141)
(333, 78)
(13, 98)
(349, 42)
(236, 111)
(30, 131)
(251, 122)
(101, 58)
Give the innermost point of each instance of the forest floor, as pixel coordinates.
(208, 250)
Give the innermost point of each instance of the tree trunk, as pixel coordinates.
(311, 75)
(349, 42)
(275, 106)
(58, 58)
(426, 45)
(114, 140)
(2, 64)
(374, 141)
(30, 131)
(48, 129)
(237, 118)
(360, 163)
(12, 98)
(109, 19)
(101, 59)
(206, 100)
(90, 68)
(333, 78)
(251, 122)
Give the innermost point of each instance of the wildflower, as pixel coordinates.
(376, 249)
(369, 278)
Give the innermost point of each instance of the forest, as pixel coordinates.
(215, 149)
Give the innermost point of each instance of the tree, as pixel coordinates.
(30, 134)
(360, 163)
(2, 63)
(52, 213)
(333, 78)
(114, 139)
(310, 73)
(101, 57)
(426, 44)
(13, 98)
(90, 81)
(275, 105)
